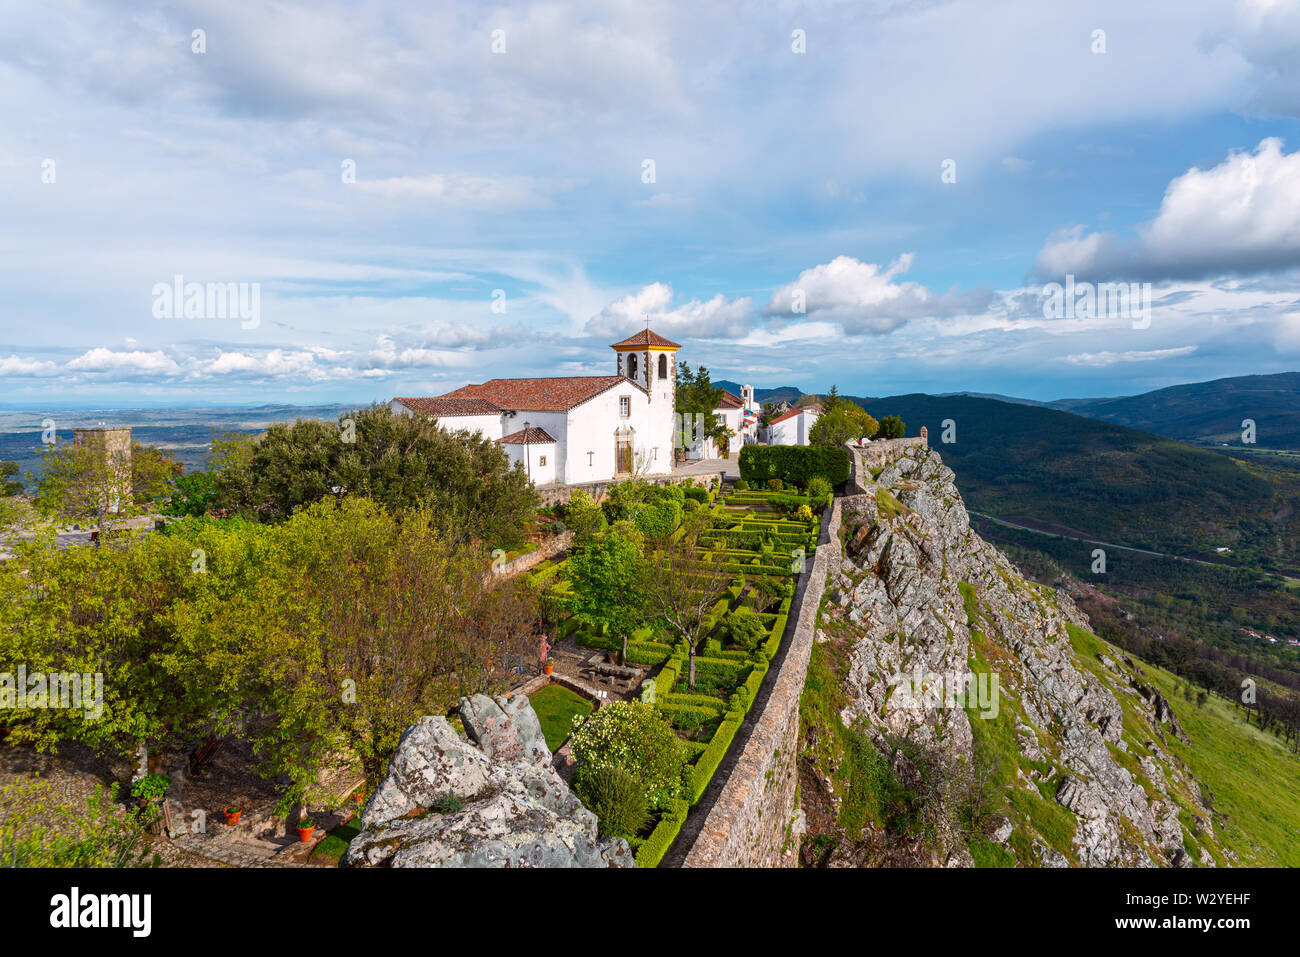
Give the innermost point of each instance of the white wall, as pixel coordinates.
(542, 473)
(793, 431)
(591, 427)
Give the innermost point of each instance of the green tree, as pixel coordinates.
(400, 461)
(842, 421)
(682, 582)
(605, 578)
(193, 494)
(89, 483)
(892, 427)
(697, 395)
(8, 485)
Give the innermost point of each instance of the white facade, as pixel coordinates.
(599, 428)
(794, 427)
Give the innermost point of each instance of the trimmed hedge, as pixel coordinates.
(708, 762)
(648, 653)
(794, 463)
(692, 700)
(653, 849)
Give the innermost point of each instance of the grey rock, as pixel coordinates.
(510, 808)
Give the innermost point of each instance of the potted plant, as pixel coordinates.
(306, 827)
(550, 665)
(232, 814)
(148, 793)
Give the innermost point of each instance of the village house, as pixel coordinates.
(793, 427)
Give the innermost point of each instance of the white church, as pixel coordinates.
(572, 430)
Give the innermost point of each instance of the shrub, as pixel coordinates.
(583, 515)
(803, 513)
(635, 737)
(617, 799)
(775, 484)
(794, 464)
(696, 494)
(742, 486)
(744, 629)
(818, 487)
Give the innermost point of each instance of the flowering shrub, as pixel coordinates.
(634, 736)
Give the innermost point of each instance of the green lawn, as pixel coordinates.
(333, 846)
(555, 706)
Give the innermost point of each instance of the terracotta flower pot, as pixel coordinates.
(550, 669)
(305, 833)
(232, 815)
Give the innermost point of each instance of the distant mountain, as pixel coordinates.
(1210, 412)
(1000, 398)
(1109, 482)
(786, 393)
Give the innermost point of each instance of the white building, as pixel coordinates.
(575, 429)
(793, 427)
(739, 414)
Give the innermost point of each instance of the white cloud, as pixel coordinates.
(106, 360)
(716, 318)
(865, 298)
(1110, 358)
(18, 367)
(1242, 216)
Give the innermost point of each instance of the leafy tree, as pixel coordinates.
(696, 394)
(892, 427)
(584, 516)
(88, 482)
(842, 421)
(192, 494)
(39, 828)
(683, 581)
(9, 486)
(605, 581)
(400, 461)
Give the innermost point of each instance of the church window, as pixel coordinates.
(624, 406)
(541, 460)
(663, 367)
(631, 365)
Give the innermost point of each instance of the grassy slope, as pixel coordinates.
(1253, 778)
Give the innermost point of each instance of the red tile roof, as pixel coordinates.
(440, 406)
(531, 436)
(816, 407)
(556, 394)
(646, 337)
(730, 401)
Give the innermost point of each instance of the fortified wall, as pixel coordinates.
(752, 822)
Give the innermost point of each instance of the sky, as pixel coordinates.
(884, 195)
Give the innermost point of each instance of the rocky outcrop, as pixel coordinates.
(491, 801)
(935, 613)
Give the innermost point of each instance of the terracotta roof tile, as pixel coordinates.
(440, 406)
(646, 337)
(730, 401)
(554, 394)
(793, 412)
(531, 436)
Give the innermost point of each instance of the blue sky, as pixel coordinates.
(1166, 151)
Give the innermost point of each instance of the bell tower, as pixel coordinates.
(650, 360)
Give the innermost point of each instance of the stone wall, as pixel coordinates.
(560, 494)
(876, 453)
(547, 549)
(751, 824)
